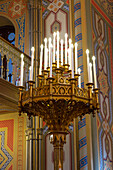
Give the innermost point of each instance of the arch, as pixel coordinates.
(11, 20)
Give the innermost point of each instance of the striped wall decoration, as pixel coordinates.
(78, 35)
(83, 163)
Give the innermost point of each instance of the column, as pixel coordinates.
(2, 66)
(56, 155)
(40, 143)
(7, 69)
(30, 149)
(61, 155)
(27, 149)
(13, 73)
(34, 144)
(37, 142)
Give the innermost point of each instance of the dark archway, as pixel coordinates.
(7, 30)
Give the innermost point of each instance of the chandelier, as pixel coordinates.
(59, 97)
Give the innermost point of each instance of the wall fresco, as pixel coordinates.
(103, 53)
(16, 12)
(12, 142)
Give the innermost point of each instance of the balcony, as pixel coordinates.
(10, 62)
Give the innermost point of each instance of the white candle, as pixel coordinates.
(54, 44)
(32, 63)
(79, 79)
(76, 61)
(62, 52)
(49, 50)
(47, 58)
(68, 56)
(66, 48)
(29, 72)
(70, 67)
(72, 61)
(51, 61)
(21, 73)
(87, 53)
(94, 72)
(45, 54)
(41, 55)
(57, 49)
(90, 73)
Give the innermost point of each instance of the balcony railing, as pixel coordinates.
(10, 62)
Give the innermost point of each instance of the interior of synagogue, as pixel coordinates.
(56, 84)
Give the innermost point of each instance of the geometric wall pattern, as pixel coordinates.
(12, 142)
(6, 144)
(55, 15)
(103, 53)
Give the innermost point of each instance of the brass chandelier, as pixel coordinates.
(58, 100)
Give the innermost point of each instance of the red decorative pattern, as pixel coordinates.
(10, 125)
(102, 13)
(17, 8)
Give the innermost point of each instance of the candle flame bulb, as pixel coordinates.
(90, 64)
(45, 40)
(41, 46)
(54, 33)
(79, 70)
(93, 58)
(32, 49)
(22, 55)
(87, 51)
(66, 35)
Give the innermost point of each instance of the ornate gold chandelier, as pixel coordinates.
(58, 99)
